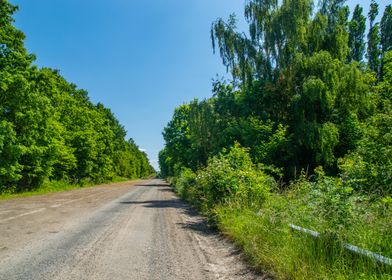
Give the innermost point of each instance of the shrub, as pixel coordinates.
(232, 175)
(185, 184)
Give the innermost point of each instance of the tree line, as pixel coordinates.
(49, 129)
(309, 89)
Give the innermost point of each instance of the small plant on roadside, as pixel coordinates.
(232, 176)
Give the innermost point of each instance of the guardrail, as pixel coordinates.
(352, 248)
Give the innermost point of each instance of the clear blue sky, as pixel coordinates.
(139, 58)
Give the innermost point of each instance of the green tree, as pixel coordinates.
(336, 33)
(386, 30)
(177, 137)
(373, 49)
(386, 33)
(369, 167)
(298, 96)
(356, 41)
(24, 112)
(49, 129)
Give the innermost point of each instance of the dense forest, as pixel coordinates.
(302, 94)
(300, 134)
(49, 129)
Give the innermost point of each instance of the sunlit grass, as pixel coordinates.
(58, 186)
(271, 245)
(261, 228)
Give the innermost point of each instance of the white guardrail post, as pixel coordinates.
(347, 246)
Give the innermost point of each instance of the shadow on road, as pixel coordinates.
(197, 224)
(165, 189)
(161, 187)
(200, 226)
(153, 185)
(172, 203)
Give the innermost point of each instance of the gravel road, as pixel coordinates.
(131, 230)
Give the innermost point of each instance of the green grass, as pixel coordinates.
(261, 228)
(270, 245)
(58, 186)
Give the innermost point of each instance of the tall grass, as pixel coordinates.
(271, 245)
(57, 186)
(257, 219)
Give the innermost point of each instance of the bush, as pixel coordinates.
(324, 204)
(232, 175)
(369, 167)
(185, 184)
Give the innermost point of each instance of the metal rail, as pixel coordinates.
(347, 246)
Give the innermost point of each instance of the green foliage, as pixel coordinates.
(386, 30)
(369, 167)
(54, 186)
(356, 41)
(229, 177)
(332, 202)
(293, 71)
(9, 151)
(232, 175)
(185, 185)
(271, 246)
(49, 129)
(301, 101)
(264, 138)
(386, 34)
(373, 49)
(330, 97)
(238, 197)
(300, 95)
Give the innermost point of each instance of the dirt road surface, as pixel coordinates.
(131, 230)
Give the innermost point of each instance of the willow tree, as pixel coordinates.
(276, 33)
(293, 67)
